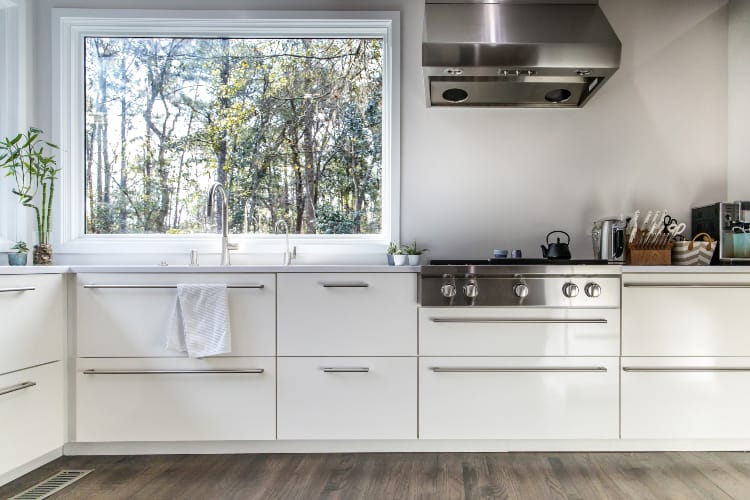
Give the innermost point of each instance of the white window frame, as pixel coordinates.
(71, 26)
(13, 98)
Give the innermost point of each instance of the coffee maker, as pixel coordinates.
(608, 237)
(729, 224)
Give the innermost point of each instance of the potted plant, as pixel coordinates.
(413, 253)
(400, 257)
(25, 158)
(391, 251)
(18, 258)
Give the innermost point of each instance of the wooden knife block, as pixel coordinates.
(649, 257)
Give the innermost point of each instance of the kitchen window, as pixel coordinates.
(296, 114)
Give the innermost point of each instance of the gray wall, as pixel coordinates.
(739, 100)
(655, 136)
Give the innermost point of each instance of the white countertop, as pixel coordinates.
(322, 268)
(686, 269)
(326, 268)
(34, 269)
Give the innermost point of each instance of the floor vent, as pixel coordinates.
(52, 485)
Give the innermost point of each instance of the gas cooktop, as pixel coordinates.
(518, 262)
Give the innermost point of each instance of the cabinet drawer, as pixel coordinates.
(118, 403)
(686, 315)
(31, 416)
(685, 398)
(518, 398)
(132, 322)
(347, 398)
(32, 310)
(347, 314)
(518, 332)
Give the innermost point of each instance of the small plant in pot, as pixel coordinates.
(413, 253)
(25, 158)
(18, 258)
(400, 258)
(391, 251)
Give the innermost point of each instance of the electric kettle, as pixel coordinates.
(608, 237)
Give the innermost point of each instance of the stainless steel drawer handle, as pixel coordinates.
(257, 285)
(597, 321)
(686, 285)
(685, 369)
(18, 387)
(362, 369)
(171, 372)
(17, 289)
(518, 369)
(345, 285)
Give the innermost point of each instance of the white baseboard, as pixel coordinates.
(30, 466)
(418, 446)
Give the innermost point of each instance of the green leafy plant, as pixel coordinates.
(20, 247)
(25, 159)
(392, 248)
(412, 249)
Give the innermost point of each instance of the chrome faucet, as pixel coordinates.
(225, 245)
(289, 255)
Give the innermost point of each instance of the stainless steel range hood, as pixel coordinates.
(516, 53)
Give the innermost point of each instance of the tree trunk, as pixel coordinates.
(123, 215)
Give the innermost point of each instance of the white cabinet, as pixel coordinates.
(519, 332)
(175, 399)
(31, 414)
(686, 356)
(126, 315)
(518, 398)
(685, 314)
(32, 311)
(347, 398)
(347, 314)
(685, 398)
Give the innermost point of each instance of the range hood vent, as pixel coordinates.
(516, 53)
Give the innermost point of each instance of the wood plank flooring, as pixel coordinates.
(349, 476)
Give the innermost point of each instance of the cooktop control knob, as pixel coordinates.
(471, 290)
(520, 290)
(448, 290)
(593, 289)
(570, 290)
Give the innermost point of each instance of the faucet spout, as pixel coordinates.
(226, 246)
(289, 255)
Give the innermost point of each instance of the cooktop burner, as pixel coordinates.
(518, 262)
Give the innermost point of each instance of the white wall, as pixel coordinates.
(477, 179)
(739, 100)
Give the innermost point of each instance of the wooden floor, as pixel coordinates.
(405, 476)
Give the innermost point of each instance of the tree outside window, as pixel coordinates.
(291, 126)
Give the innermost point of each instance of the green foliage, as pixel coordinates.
(392, 248)
(412, 249)
(20, 247)
(291, 127)
(25, 158)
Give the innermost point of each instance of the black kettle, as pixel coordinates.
(556, 250)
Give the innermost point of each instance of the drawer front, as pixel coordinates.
(518, 398)
(685, 398)
(132, 322)
(186, 406)
(31, 414)
(690, 315)
(347, 398)
(32, 308)
(347, 314)
(518, 332)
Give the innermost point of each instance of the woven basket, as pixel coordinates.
(694, 253)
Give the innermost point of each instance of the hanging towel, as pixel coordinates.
(200, 321)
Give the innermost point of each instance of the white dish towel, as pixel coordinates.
(200, 321)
